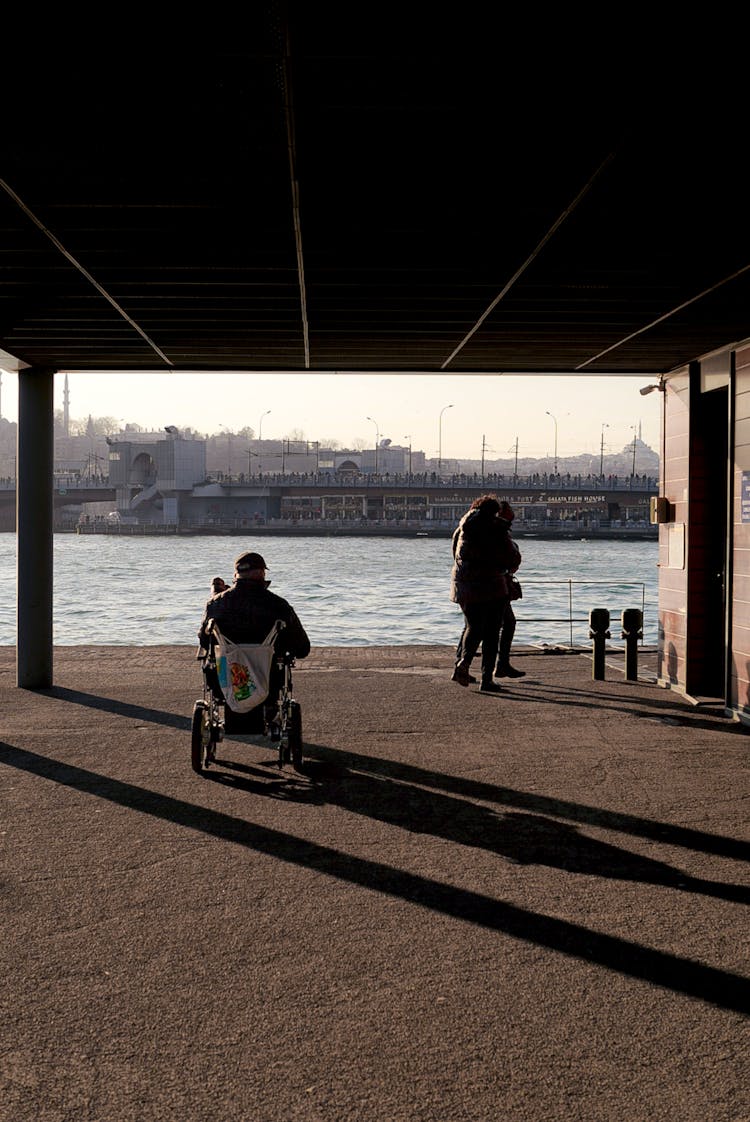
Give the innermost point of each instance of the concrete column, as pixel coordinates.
(34, 508)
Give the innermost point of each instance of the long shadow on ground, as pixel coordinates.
(713, 986)
(521, 838)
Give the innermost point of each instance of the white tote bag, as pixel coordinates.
(244, 670)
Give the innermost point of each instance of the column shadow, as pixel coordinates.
(714, 986)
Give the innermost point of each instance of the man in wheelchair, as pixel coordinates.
(245, 613)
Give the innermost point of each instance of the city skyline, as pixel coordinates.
(453, 416)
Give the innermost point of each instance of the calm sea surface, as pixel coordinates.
(347, 591)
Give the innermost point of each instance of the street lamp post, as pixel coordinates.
(260, 435)
(377, 440)
(635, 434)
(555, 420)
(601, 453)
(440, 437)
(408, 437)
(228, 435)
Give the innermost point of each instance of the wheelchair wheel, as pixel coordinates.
(201, 737)
(294, 733)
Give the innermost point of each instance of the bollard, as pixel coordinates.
(632, 631)
(599, 632)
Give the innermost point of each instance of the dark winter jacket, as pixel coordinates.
(246, 612)
(484, 553)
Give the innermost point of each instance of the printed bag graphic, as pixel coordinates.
(244, 670)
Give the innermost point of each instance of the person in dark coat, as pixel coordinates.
(508, 626)
(245, 613)
(484, 555)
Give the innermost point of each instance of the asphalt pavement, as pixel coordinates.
(523, 906)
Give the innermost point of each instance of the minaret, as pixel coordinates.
(66, 408)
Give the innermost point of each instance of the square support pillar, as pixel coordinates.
(34, 525)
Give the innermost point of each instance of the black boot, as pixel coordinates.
(505, 670)
(461, 673)
(488, 686)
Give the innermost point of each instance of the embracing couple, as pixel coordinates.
(485, 557)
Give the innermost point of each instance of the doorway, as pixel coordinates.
(707, 544)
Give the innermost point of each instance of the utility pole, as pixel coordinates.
(515, 464)
(484, 449)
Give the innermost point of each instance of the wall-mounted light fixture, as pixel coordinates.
(660, 385)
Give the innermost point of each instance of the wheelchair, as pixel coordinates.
(279, 717)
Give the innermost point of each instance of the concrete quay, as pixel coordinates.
(530, 906)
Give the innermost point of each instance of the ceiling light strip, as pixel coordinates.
(296, 218)
(84, 272)
(661, 319)
(532, 256)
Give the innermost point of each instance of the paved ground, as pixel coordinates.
(530, 906)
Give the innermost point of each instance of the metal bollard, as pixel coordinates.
(599, 632)
(632, 631)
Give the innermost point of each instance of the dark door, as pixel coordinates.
(707, 545)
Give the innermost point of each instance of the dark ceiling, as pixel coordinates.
(296, 191)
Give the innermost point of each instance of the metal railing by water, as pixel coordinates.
(570, 619)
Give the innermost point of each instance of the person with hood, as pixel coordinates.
(484, 555)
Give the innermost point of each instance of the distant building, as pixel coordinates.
(152, 476)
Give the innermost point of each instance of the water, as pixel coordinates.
(346, 591)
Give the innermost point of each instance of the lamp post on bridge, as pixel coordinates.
(408, 437)
(260, 437)
(555, 421)
(601, 452)
(228, 435)
(635, 435)
(440, 437)
(377, 439)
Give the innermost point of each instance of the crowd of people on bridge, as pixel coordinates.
(534, 481)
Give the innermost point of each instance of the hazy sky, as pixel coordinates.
(496, 408)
